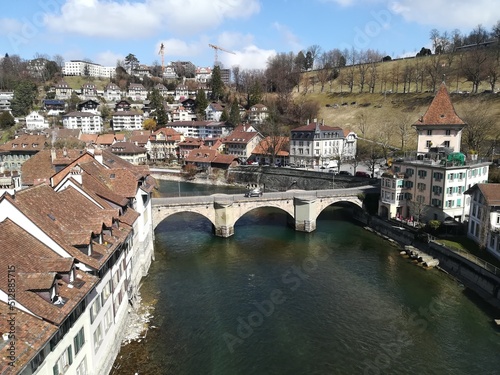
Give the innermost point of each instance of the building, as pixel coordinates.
(164, 143)
(63, 91)
(127, 120)
(54, 107)
(484, 216)
(272, 151)
(89, 90)
(213, 112)
(187, 145)
(87, 122)
(431, 182)
(112, 92)
(203, 75)
(36, 121)
(130, 152)
(257, 114)
(85, 68)
(137, 92)
(89, 105)
(201, 129)
(15, 152)
(316, 144)
(79, 246)
(5, 99)
(241, 143)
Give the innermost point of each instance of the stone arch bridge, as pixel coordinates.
(223, 211)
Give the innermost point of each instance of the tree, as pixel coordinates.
(274, 133)
(474, 66)
(24, 97)
(158, 108)
(149, 124)
(224, 116)
(234, 113)
(418, 208)
(482, 128)
(300, 60)
(201, 103)
(6, 120)
(404, 129)
(131, 61)
(313, 52)
(216, 84)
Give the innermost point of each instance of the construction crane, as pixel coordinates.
(162, 53)
(216, 48)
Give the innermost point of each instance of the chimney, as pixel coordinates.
(52, 154)
(307, 122)
(98, 156)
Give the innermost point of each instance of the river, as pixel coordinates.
(270, 300)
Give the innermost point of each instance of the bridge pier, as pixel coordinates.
(224, 218)
(305, 214)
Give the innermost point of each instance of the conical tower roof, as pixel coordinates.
(441, 111)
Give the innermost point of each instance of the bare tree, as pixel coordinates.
(315, 51)
(482, 129)
(403, 126)
(363, 124)
(474, 67)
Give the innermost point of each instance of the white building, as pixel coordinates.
(87, 122)
(484, 216)
(36, 121)
(81, 257)
(112, 92)
(82, 68)
(316, 144)
(137, 92)
(430, 184)
(201, 129)
(203, 75)
(127, 120)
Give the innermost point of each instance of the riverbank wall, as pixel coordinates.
(282, 179)
(482, 279)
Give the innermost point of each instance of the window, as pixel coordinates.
(98, 337)
(420, 198)
(436, 202)
(449, 203)
(437, 190)
(408, 184)
(108, 320)
(459, 202)
(82, 367)
(429, 132)
(448, 132)
(94, 310)
(400, 183)
(409, 171)
(446, 143)
(422, 174)
(421, 186)
(438, 176)
(79, 340)
(64, 361)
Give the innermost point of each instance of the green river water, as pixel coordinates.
(270, 300)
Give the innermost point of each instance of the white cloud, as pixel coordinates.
(136, 19)
(108, 58)
(445, 14)
(9, 25)
(289, 38)
(250, 57)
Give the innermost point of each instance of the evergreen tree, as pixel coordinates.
(234, 113)
(157, 106)
(224, 117)
(255, 94)
(216, 84)
(24, 96)
(201, 103)
(6, 120)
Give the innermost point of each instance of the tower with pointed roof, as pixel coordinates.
(440, 127)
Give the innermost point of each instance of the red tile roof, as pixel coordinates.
(440, 111)
(490, 192)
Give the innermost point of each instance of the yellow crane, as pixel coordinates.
(217, 48)
(162, 53)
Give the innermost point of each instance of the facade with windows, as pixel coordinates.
(316, 144)
(87, 122)
(91, 252)
(85, 68)
(127, 120)
(484, 216)
(430, 183)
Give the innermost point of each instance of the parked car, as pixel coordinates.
(362, 174)
(254, 193)
(345, 173)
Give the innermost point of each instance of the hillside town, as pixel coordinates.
(76, 222)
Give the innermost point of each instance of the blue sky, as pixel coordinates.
(105, 31)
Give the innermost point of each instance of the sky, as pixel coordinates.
(106, 31)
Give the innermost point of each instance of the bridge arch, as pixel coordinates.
(323, 203)
(162, 213)
(245, 208)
